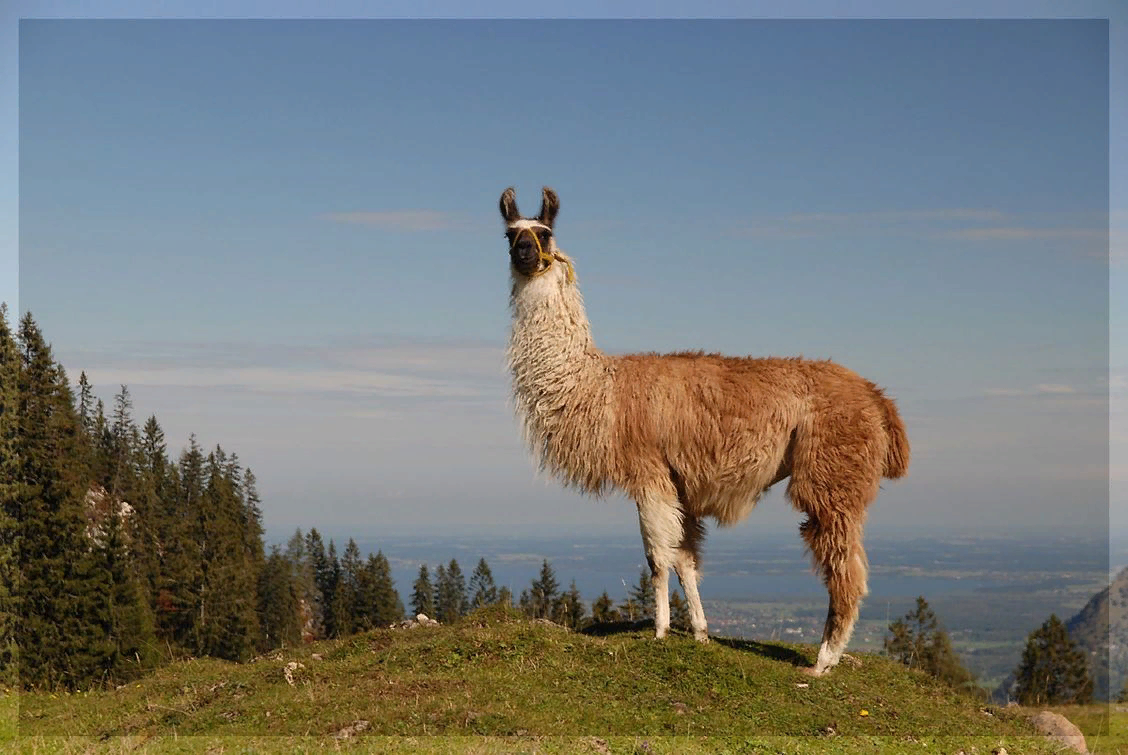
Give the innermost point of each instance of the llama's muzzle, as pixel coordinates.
(525, 255)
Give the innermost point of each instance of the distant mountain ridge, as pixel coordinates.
(1101, 630)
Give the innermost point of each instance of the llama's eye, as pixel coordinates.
(545, 235)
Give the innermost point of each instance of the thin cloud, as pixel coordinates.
(401, 220)
(276, 380)
(894, 216)
(1018, 233)
(1054, 388)
(1042, 389)
(956, 224)
(903, 222)
(456, 371)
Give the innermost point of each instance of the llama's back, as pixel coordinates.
(720, 426)
(726, 426)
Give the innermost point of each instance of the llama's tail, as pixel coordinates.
(897, 457)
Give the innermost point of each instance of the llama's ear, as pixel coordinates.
(508, 205)
(550, 205)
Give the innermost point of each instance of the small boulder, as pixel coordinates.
(351, 730)
(1060, 729)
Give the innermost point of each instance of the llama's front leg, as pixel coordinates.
(686, 566)
(660, 581)
(660, 519)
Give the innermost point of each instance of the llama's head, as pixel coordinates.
(532, 247)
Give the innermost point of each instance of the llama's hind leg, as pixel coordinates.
(835, 542)
(660, 519)
(688, 558)
(835, 474)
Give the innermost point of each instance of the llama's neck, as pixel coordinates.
(551, 337)
(560, 379)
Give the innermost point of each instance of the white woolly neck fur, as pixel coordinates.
(560, 378)
(549, 316)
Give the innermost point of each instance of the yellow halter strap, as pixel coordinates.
(546, 257)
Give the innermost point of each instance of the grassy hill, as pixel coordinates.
(514, 685)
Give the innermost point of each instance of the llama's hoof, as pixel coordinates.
(702, 637)
(813, 671)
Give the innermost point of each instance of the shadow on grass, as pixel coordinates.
(606, 628)
(774, 652)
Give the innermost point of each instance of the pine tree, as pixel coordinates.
(227, 624)
(252, 518)
(65, 617)
(127, 547)
(383, 602)
(572, 610)
(322, 581)
(504, 597)
(334, 600)
(352, 617)
(482, 586)
(441, 590)
(525, 604)
(122, 433)
(451, 602)
(132, 630)
(603, 609)
(679, 612)
(150, 511)
(301, 571)
(182, 536)
(543, 592)
(85, 404)
(10, 496)
(458, 582)
(423, 594)
(1053, 669)
(918, 641)
(642, 596)
(911, 636)
(279, 609)
(99, 442)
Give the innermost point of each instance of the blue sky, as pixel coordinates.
(283, 236)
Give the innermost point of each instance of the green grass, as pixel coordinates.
(9, 717)
(499, 684)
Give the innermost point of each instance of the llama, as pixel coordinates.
(693, 435)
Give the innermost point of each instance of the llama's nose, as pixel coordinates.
(523, 251)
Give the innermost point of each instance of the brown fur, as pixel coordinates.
(693, 435)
